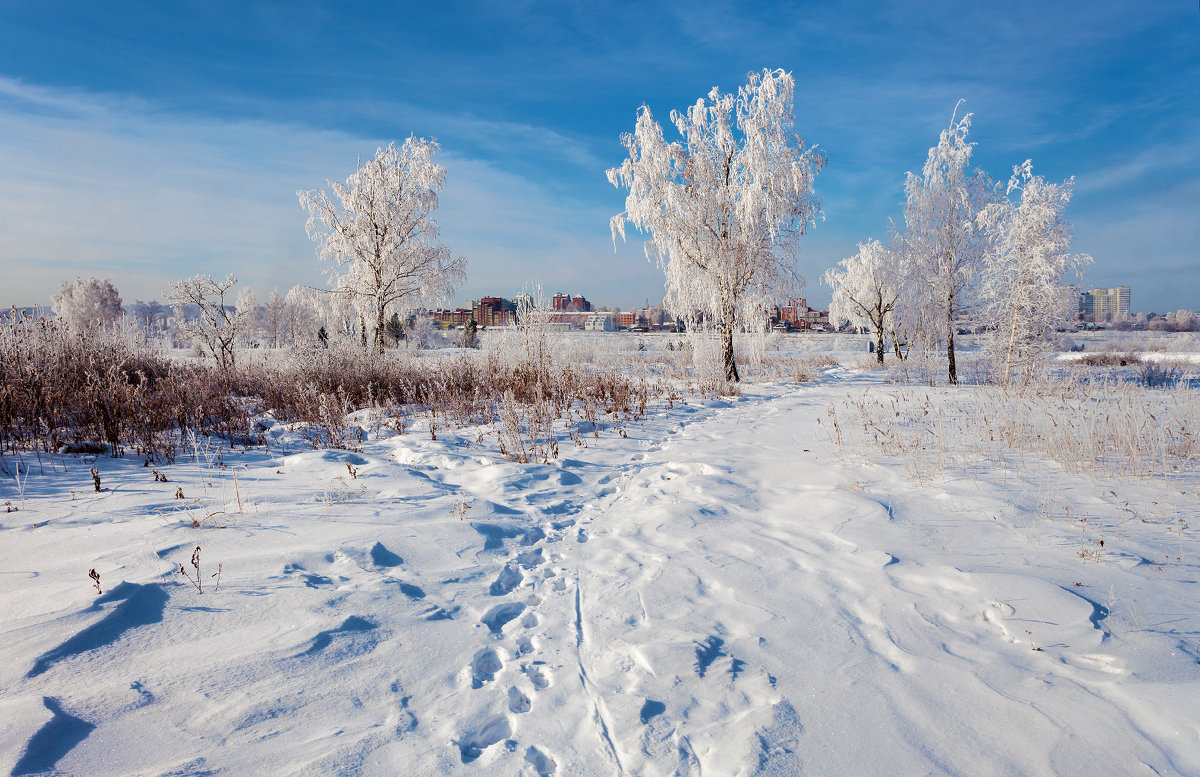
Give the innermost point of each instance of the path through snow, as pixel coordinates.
(719, 593)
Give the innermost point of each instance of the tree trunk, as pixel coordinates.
(380, 311)
(879, 345)
(950, 346)
(1012, 347)
(731, 371)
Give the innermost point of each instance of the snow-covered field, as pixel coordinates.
(723, 591)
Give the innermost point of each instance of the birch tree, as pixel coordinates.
(866, 291)
(1023, 301)
(943, 243)
(726, 205)
(380, 237)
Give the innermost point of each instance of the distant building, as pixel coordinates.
(1104, 304)
(598, 322)
(796, 315)
(487, 311)
(495, 311)
(568, 303)
(457, 317)
(793, 311)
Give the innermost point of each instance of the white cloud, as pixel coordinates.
(112, 187)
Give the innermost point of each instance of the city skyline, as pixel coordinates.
(157, 143)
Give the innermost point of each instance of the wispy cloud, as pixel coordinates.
(196, 169)
(94, 185)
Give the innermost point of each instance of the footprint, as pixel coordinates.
(414, 592)
(495, 730)
(508, 579)
(518, 702)
(382, 557)
(544, 764)
(498, 616)
(530, 620)
(311, 579)
(531, 558)
(494, 535)
(401, 719)
(559, 584)
(652, 709)
(533, 536)
(348, 645)
(484, 667)
(707, 652)
(536, 675)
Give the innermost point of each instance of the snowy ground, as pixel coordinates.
(722, 592)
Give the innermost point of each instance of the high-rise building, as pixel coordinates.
(1104, 304)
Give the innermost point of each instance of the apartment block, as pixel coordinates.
(1104, 304)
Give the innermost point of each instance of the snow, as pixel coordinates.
(722, 592)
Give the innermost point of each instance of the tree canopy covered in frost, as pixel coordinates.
(867, 290)
(1022, 301)
(378, 233)
(218, 325)
(726, 206)
(247, 309)
(87, 303)
(148, 314)
(942, 241)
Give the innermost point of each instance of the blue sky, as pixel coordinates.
(146, 141)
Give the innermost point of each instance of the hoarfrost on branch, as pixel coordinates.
(943, 242)
(87, 303)
(380, 237)
(1022, 297)
(726, 206)
(866, 292)
(217, 326)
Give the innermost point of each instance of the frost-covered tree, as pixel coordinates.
(380, 236)
(725, 206)
(330, 310)
(301, 315)
(274, 319)
(148, 314)
(247, 308)
(942, 241)
(1022, 299)
(866, 291)
(1183, 320)
(218, 324)
(87, 303)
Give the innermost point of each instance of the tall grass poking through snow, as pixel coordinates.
(554, 387)
(57, 386)
(1102, 428)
